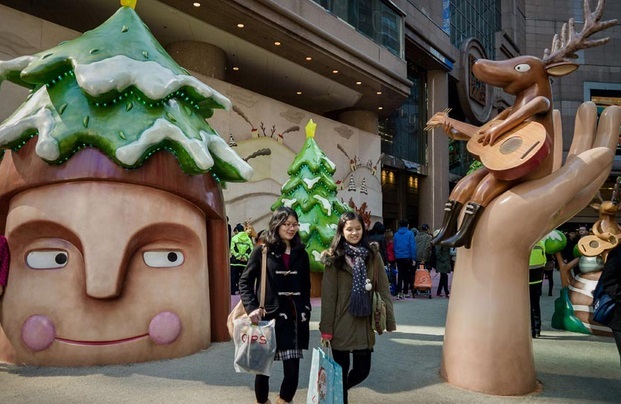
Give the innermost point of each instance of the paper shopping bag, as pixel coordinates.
(325, 385)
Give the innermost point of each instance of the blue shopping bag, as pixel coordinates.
(325, 384)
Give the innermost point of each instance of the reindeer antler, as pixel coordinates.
(565, 47)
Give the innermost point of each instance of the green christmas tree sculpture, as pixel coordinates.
(115, 88)
(311, 192)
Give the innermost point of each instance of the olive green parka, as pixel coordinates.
(349, 332)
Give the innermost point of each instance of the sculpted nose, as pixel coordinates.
(104, 267)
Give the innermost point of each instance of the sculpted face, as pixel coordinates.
(105, 273)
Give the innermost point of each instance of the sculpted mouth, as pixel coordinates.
(99, 343)
(39, 332)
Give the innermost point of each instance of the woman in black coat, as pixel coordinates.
(611, 278)
(287, 298)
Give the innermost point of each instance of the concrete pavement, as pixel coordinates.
(572, 368)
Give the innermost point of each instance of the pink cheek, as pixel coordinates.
(165, 328)
(38, 332)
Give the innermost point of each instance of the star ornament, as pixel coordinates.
(310, 128)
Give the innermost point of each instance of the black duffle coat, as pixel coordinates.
(287, 296)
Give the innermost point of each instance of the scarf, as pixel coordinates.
(360, 301)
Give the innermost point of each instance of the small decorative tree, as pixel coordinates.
(311, 191)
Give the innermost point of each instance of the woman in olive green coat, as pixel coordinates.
(350, 265)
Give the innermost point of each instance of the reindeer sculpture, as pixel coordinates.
(579, 289)
(606, 234)
(249, 229)
(515, 146)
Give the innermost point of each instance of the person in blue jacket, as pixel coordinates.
(405, 257)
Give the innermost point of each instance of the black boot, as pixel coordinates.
(449, 222)
(464, 234)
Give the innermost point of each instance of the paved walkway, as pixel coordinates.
(573, 368)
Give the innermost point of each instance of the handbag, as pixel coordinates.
(603, 305)
(603, 309)
(239, 311)
(378, 322)
(325, 383)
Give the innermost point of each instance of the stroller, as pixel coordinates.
(422, 280)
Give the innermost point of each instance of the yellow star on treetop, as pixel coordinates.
(310, 128)
(129, 3)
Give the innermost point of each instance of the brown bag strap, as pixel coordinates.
(263, 277)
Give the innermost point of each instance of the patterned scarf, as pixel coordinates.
(360, 302)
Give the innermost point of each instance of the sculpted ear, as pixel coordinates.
(561, 68)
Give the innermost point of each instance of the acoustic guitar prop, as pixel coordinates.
(591, 246)
(514, 154)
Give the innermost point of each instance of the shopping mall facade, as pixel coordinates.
(369, 73)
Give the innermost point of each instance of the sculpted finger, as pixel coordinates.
(584, 129)
(582, 198)
(608, 128)
(579, 176)
(557, 151)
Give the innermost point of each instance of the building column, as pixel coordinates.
(434, 188)
(200, 57)
(363, 120)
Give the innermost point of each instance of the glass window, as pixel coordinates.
(374, 19)
(402, 133)
(480, 19)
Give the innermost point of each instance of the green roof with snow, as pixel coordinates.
(115, 88)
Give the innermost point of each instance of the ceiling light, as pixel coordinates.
(235, 68)
(380, 108)
(298, 92)
(240, 25)
(358, 83)
(277, 43)
(309, 58)
(197, 4)
(335, 71)
(379, 93)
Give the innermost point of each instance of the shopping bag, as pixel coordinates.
(325, 384)
(255, 346)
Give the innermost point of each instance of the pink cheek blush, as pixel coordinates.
(165, 327)
(38, 332)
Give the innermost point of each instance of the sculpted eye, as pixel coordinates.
(163, 259)
(522, 67)
(50, 259)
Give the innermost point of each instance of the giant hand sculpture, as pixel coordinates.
(487, 344)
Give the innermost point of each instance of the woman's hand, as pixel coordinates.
(256, 315)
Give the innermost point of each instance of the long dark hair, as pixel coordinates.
(338, 242)
(271, 236)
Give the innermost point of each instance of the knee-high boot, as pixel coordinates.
(449, 222)
(464, 234)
